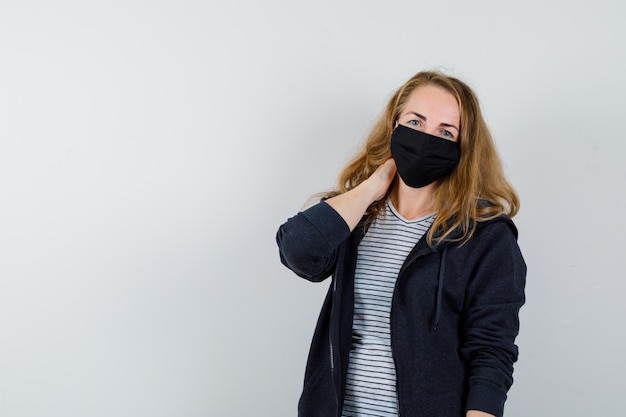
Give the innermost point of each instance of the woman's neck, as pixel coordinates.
(412, 203)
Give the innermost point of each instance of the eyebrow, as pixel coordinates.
(425, 119)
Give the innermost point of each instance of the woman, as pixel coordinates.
(427, 277)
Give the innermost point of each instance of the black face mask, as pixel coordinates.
(421, 159)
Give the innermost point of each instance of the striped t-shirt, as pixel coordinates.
(371, 381)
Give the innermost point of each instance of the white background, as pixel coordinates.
(150, 149)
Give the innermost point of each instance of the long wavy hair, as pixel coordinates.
(478, 175)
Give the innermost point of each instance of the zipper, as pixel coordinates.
(330, 342)
(330, 336)
(409, 262)
(392, 323)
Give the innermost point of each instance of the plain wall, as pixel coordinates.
(149, 150)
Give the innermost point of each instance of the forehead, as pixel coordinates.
(432, 101)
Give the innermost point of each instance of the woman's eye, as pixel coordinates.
(447, 134)
(414, 122)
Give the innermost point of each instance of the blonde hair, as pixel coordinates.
(478, 175)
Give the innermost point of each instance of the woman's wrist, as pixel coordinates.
(476, 413)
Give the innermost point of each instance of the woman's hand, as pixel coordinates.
(381, 179)
(352, 204)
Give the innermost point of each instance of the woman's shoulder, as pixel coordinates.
(494, 221)
(496, 225)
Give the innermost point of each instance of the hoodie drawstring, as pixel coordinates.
(442, 273)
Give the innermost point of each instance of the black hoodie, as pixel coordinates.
(454, 316)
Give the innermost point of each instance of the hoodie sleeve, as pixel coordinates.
(494, 297)
(308, 242)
